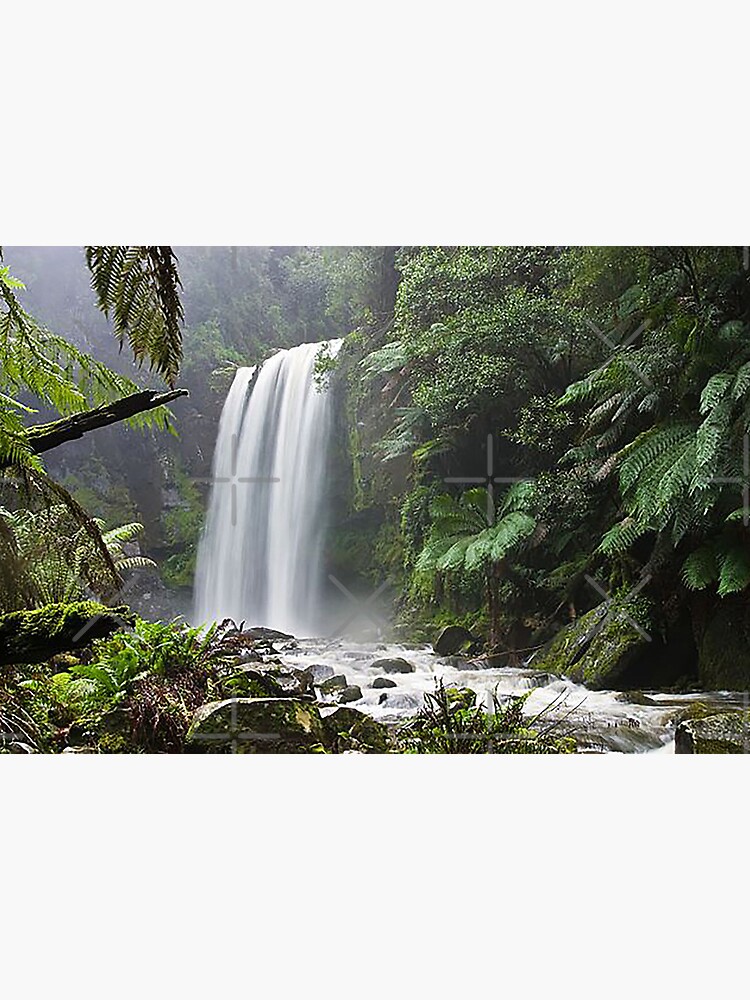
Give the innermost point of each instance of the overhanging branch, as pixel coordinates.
(44, 437)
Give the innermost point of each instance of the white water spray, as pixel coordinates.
(259, 559)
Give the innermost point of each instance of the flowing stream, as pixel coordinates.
(602, 721)
(259, 559)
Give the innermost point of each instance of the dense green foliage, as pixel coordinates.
(600, 395)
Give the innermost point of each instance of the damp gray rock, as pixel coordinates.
(321, 672)
(352, 692)
(393, 665)
(333, 684)
(383, 682)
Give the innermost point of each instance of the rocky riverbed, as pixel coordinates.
(389, 682)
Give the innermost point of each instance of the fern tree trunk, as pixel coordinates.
(494, 608)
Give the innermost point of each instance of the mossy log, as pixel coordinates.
(44, 437)
(36, 636)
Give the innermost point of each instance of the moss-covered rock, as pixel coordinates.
(256, 725)
(349, 729)
(605, 647)
(458, 697)
(37, 636)
(452, 640)
(726, 733)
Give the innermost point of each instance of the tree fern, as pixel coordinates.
(115, 540)
(715, 390)
(741, 383)
(640, 455)
(51, 550)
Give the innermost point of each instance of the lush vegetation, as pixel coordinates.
(610, 388)
(527, 437)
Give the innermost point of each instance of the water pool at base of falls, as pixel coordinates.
(602, 721)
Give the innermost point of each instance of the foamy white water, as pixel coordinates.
(259, 558)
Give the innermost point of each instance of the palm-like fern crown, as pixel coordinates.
(51, 550)
(462, 540)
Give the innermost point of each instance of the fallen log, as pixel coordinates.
(37, 636)
(44, 437)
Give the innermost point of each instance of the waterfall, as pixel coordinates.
(259, 558)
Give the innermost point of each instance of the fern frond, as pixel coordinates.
(701, 568)
(714, 391)
(622, 536)
(138, 287)
(734, 571)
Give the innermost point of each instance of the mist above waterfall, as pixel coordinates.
(259, 558)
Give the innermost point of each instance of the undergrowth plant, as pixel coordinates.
(452, 722)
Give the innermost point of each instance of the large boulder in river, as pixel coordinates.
(349, 729)
(393, 665)
(726, 733)
(612, 646)
(256, 725)
(267, 634)
(321, 672)
(452, 640)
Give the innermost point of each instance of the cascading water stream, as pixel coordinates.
(259, 558)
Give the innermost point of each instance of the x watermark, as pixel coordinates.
(361, 608)
(609, 602)
(489, 480)
(109, 614)
(236, 734)
(234, 481)
(620, 349)
(743, 480)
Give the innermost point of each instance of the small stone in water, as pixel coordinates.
(331, 684)
(383, 682)
(353, 692)
(394, 665)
